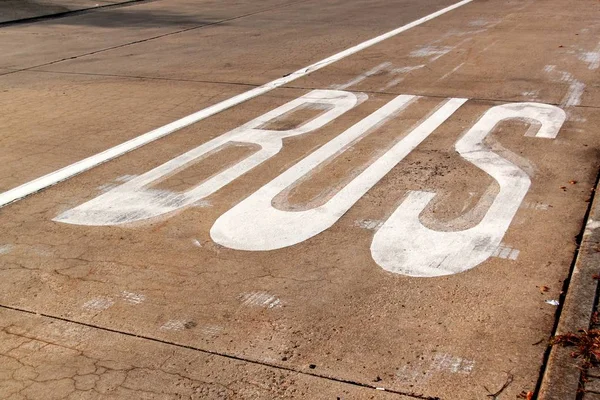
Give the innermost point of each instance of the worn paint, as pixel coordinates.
(136, 200)
(431, 52)
(124, 148)
(260, 299)
(5, 248)
(592, 58)
(575, 89)
(133, 298)
(370, 224)
(255, 224)
(506, 252)
(404, 245)
(173, 325)
(536, 206)
(98, 304)
(355, 81)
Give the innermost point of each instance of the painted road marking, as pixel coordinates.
(401, 244)
(135, 200)
(76, 168)
(404, 245)
(255, 224)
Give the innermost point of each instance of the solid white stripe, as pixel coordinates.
(76, 168)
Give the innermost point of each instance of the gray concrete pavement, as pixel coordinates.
(50, 359)
(238, 289)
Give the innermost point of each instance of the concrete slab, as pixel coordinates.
(71, 37)
(13, 10)
(53, 359)
(331, 255)
(322, 302)
(258, 48)
(475, 58)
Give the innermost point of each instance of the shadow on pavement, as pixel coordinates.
(66, 13)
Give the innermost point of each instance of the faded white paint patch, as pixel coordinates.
(573, 117)
(362, 77)
(531, 205)
(370, 224)
(575, 89)
(453, 364)
(107, 186)
(592, 58)
(402, 71)
(6, 248)
(394, 82)
(386, 68)
(406, 70)
(173, 325)
(260, 299)
(421, 370)
(480, 22)
(211, 330)
(506, 252)
(573, 96)
(453, 70)
(531, 95)
(98, 304)
(432, 52)
(116, 182)
(41, 250)
(133, 298)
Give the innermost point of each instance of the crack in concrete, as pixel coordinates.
(216, 82)
(213, 353)
(205, 25)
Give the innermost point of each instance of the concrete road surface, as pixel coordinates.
(357, 199)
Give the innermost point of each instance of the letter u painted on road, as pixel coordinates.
(255, 224)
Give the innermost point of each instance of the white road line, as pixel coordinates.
(76, 168)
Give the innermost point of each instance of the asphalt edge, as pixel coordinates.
(561, 375)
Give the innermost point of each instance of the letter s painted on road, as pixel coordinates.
(404, 245)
